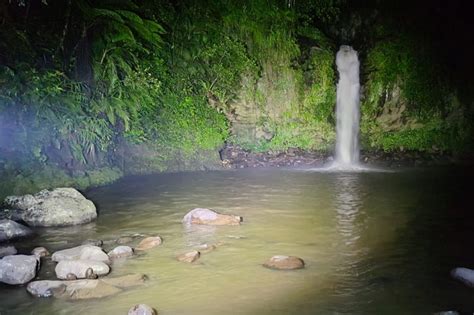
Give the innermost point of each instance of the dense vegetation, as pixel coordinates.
(90, 89)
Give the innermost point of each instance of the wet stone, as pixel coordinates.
(189, 257)
(40, 252)
(282, 262)
(142, 309)
(121, 252)
(149, 243)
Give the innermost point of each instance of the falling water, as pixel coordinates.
(347, 111)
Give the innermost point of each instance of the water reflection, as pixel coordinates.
(348, 204)
(350, 268)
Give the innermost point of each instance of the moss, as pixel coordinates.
(407, 105)
(290, 105)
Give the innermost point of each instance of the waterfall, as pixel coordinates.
(347, 109)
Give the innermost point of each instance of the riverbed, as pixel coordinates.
(373, 243)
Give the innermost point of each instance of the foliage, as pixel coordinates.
(83, 81)
(426, 104)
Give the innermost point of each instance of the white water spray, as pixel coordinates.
(347, 110)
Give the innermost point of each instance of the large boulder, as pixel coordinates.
(281, 262)
(59, 207)
(465, 275)
(18, 269)
(10, 230)
(79, 268)
(83, 289)
(83, 252)
(210, 217)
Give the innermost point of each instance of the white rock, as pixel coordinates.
(59, 207)
(121, 252)
(10, 230)
(83, 252)
(79, 268)
(210, 217)
(46, 288)
(465, 275)
(18, 269)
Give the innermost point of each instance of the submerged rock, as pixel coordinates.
(18, 269)
(59, 207)
(10, 230)
(7, 251)
(206, 248)
(40, 252)
(83, 252)
(284, 262)
(149, 243)
(126, 281)
(124, 240)
(79, 268)
(121, 252)
(210, 217)
(142, 309)
(83, 289)
(189, 257)
(465, 275)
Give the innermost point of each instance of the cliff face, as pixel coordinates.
(289, 105)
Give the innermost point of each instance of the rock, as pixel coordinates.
(210, 217)
(79, 268)
(189, 257)
(90, 289)
(124, 240)
(83, 289)
(18, 269)
(59, 207)
(447, 313)
(7, 251)
(206, 248)
(40, 252)
(142, 309)
(149, 242)
(284, 262)
(10, 230)
(97, 243)
(121, 252)
(83, 252)
(126, 281)
(465, 275)
(46, 288)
